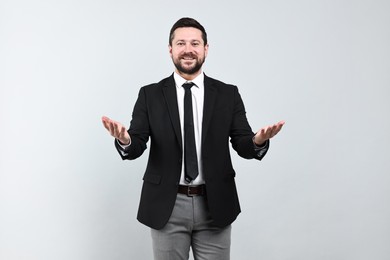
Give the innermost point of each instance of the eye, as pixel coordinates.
(180, 43)
(195, 44)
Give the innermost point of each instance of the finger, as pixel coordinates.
(112, 129)
(106, 125)
(105, 121)
(117, 130)
(123, 131)
(104, 118)
(268, 133)
(263, 132)
(279, 125)
(124, 136)
(276, 128)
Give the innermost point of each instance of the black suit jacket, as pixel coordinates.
(156, 116)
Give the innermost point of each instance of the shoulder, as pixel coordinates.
(219, 84)
(164, 82)
(158, 86)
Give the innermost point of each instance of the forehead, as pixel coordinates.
(187, 34)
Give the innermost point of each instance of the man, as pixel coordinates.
(189, 196)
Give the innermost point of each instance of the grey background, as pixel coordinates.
(321, 193)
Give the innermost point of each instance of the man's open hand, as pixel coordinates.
(117, 130)
(267, 132)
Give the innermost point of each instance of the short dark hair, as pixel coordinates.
(187, 22)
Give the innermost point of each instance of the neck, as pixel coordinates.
(188, 76)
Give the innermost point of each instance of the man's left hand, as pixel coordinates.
(267, 133)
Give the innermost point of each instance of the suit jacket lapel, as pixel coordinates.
(210, 94)
(169, 90)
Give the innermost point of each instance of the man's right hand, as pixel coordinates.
(117, 130)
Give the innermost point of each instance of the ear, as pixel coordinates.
(206, 50)
(170, 50)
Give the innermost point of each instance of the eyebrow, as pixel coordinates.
(182, 40)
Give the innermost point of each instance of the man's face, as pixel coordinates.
(188, 51)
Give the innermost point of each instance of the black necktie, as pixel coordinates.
(190, 158)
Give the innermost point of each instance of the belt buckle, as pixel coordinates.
(189, 194)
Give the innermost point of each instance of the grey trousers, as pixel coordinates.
(189, 226)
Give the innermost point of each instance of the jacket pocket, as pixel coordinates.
(152, 178)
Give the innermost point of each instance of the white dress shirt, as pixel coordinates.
(197, 92)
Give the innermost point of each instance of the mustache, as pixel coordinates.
(188, 55)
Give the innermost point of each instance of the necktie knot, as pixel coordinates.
(188, 85)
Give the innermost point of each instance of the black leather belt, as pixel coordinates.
(191, 191)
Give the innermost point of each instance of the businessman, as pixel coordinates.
(189, 196)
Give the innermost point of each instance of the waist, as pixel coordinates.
(190, 191)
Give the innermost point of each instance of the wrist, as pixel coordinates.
(124, 142)
(258, 143)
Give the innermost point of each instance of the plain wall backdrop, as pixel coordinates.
(321, 193)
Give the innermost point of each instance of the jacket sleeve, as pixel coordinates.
(241, 135)
(139, 130)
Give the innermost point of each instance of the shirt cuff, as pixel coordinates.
(259, 147)
(122, 147)
(260, 150)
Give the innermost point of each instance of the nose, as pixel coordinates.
(188, 47)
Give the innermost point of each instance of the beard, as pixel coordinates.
(189, 70)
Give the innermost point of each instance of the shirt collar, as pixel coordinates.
(198, 81)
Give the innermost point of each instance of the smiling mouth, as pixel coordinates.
(188, 61)
(188, 57)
